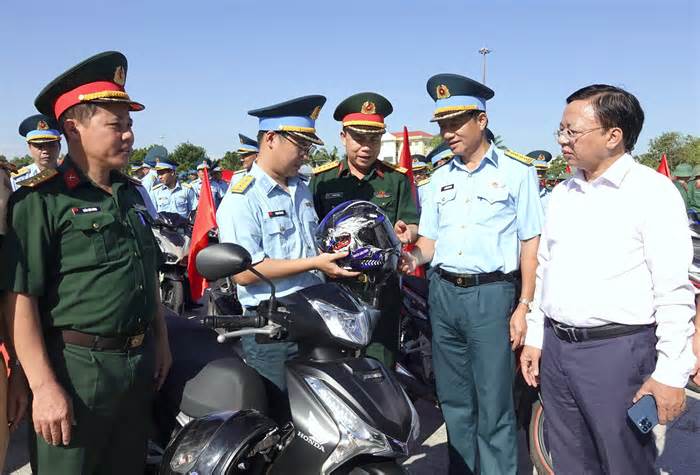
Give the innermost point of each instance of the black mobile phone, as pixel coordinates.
(644, 414)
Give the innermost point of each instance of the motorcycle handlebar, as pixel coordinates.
(233, 322)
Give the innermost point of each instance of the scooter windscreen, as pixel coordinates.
(342, 315)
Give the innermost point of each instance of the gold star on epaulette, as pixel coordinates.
(39, 178)
(243, 185)
(325, 167)
(20, 172)
(519, 157)
(396, 168)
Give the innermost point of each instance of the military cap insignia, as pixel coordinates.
(519, 157)
(443, 92)
(42, 125)
(314, 113)
(369, 108)
(325, 167)
(243, 184)
(120, 76)
(39, 178)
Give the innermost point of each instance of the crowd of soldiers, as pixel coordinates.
(87, 336)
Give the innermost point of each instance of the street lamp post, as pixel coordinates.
(484, 51)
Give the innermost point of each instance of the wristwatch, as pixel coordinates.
(526, 302)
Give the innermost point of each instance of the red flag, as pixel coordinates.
(226, 175)
(663, 167)
(406, 162)
(204, 221)
(567, 170)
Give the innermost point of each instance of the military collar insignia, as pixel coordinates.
(368, 108)
(120, 76)
(382, 194)
(71, 178)
(443, 92)
(42, 125)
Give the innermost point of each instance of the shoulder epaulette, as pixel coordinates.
(325, 167)
(394, 167)
(186, 185)
(132, 179)
(39, 178)
(519, 157)
(242, 170)
(20, 172)
(243, 185)
(424, 181)
(157, 186)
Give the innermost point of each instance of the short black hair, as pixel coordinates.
(80, 112)
(614, 107)
(260, 135)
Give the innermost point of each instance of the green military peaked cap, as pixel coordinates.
(364, 112)
(683, 170)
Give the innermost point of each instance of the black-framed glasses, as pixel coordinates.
(307, 149)
(570, 135)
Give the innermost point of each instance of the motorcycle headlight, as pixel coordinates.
(356, 436)
(353, 327)
(195, 436)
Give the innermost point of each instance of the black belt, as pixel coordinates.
(579, 334)
(99, 343)
(470, 280)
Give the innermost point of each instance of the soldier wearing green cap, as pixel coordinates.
(80, 272)
(694, 189)
(361, 176)
(683, 175)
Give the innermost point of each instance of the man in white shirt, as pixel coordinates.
(613, 303)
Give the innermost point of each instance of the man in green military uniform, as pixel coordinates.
(683, 175)
(361, 176)
(80, 266)
(694, 189)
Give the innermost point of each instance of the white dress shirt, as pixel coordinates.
(617, 250)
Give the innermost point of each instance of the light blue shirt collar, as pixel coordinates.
(491, 155)
(267, 184)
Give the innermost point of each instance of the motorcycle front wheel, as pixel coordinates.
(539, 451)
(172, 294)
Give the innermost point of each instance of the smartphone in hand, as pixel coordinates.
(644, 414)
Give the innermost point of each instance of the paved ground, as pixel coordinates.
(679, 445)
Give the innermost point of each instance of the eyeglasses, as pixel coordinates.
(571, 136)
(307, 149)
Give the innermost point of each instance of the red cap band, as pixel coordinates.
(358, 118)
(76, 96)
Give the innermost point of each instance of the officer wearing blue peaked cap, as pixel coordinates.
(479, 229)
(44, 143)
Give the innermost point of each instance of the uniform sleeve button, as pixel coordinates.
(95, 225)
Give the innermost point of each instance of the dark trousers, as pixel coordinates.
(384, 345)
(112, 394)
(587, 388)
(474, 372)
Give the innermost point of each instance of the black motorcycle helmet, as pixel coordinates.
(363, 230)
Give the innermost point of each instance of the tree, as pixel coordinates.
(678, 148)
(22, 161)
(435, 141)
(187, 155)
(139, 154)
(556, 165)
(231, 161)
(322, 155)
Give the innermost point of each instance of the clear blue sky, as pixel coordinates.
(198, 66)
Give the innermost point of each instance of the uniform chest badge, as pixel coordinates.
(277, 214)
(382, 194)
(330, 196)
(447, 187)
(88, 210)
(496, 184)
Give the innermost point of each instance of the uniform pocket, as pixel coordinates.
(493, 195)
(445, 196)
(96, 228)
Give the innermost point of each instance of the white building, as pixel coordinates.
(392, 143)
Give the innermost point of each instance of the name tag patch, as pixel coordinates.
(330, 196)
(447, 187)
(277, 214)
(91, 209)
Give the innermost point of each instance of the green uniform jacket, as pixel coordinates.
(89, 257)
(385, 185)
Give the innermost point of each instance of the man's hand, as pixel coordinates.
(518, 327)
(407, 263)
(696, 351)
(670, 401)
(164, 360)
(17, 398)
(530, 365)
(404, 232)
(52, 412)
(326, 263)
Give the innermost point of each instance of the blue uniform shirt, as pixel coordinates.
(271, 223)
(218, 190)
(477, 219)
(22, 174)
(181, 199)
(150, 180)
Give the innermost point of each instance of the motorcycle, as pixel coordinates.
(348, 414)
(172, 233)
